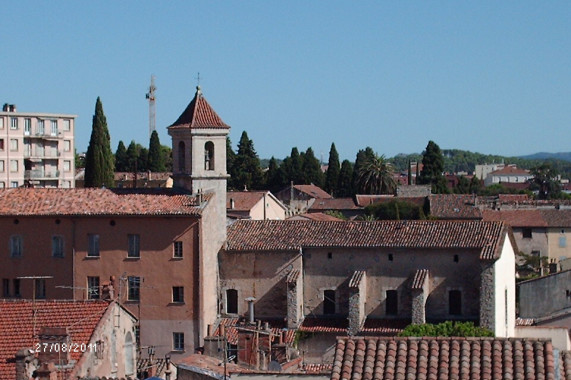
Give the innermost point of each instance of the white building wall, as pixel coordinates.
(504, 291)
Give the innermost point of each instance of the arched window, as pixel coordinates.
(209, 156)
(129, 358)
(181, 156)
(232, 301)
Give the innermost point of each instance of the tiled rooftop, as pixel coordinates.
(17, 325)
(199, 114)
(231, 330)
(373, 326)
(531, 217)
(293, 235)
(454, 206)
(90, 201)
(313, 191)
(419, 278)
(314, 216)
(334, 204)
(447, 358)
(510, 170)
(243, 200)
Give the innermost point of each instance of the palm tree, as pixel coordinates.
(376, 176)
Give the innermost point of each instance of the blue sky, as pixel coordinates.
(486, 76)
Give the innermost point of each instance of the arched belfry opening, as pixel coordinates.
(181, 156)
(209, 156)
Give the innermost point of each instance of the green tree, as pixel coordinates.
(312, 169)
(293, 167)
(448, 328)
(476, 185)
(546, 181)
(246, 170)
(155, 161)
(133, 156)
(395, 210)
(121, 159)
(363, 155)
(432, 172)
(345, 181)
(166, 152)
(463, 186)
(333, 169)
(230, 157)
(376, 176)
(99, 165)
(275, 179)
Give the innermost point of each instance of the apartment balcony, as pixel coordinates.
(41, 174)
(43, 155)
(44, 136)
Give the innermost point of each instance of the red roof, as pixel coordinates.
(199, 114)
(333, 204)
(244, 200)
(293, 235)
(90, 201)
(447, 358)
(231, 331)
(313, 191)
(314, 216)
(531, 217)
(510, 170)
(17, 325)
(454, 206)
(384, 327)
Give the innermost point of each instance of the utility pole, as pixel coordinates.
(152, 110)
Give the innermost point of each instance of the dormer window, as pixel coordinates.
(209, 156)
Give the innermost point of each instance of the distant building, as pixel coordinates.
(509, 175)
(256, 205)
(36, 149)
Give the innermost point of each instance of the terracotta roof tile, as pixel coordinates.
(293, 276)
(67, 202)
(334, 204)
(516, 218)
(199, 114)
(454, 206)
(446, 358)
(384, 327)
(293, 235)
(231, 326)
(313, 191)
(16, 325)
(356, 279)
(510, 170)
(314, 216)
(419, 278)
(243, 200)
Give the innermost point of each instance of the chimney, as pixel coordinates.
(251, 301)
(23, 360)
(53, 337)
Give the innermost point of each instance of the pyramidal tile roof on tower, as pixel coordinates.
(199, 114)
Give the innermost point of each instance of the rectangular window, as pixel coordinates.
(66, 125)
(177, 249)
(134, 244)
(2, 166)
(67, 146)
(134, 288)
(16, 287)
(178, 341)
(15, 246)
(93, 288)
(178, 294)
(93, 245)
(231, 301)
(2, 185)
(329, 302)
(27, 126)
(14, 184)
(526, 233)
(54, 128)
(13, 145)
(1, 144)
(455, 302)
(40, 127)
(14, 166)
(57, 246)
(67, 166)
(14, 123)
(40, 288)
(1, 123)
(5, 287)
(392, 302)
(562, 241)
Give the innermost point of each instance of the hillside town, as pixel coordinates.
(208, 272)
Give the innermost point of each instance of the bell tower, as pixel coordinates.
(199, 165)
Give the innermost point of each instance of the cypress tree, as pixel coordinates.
(155, 161)
(312, 169)
(99, 165)
(132, 157)
(293, 166)
(332, 177)
(246, 170)
(345, 182)
(275, 179)
(121, 159)
(433, 169)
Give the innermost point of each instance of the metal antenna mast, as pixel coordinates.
(151, 97)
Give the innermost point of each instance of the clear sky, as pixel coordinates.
(486, 76)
